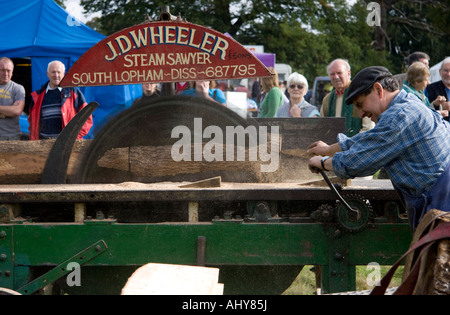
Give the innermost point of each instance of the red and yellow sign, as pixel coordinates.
(164, 52)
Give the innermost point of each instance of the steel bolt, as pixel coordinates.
(338, 256)
(3, 257)
(337, 233)
(2, 234)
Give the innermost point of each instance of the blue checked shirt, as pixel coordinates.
(410, 140)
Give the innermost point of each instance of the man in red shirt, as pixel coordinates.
(53, 107)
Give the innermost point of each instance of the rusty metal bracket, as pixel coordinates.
(55, 170)
(62, 269)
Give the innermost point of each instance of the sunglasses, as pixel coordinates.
(298, 86)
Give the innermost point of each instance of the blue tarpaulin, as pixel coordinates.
(43, 31)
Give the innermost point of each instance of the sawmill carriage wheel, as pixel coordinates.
(143, 132)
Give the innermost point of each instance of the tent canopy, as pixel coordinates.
(42, 28)
(43, 31)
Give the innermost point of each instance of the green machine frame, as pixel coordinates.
(259, 235)
(255, 256)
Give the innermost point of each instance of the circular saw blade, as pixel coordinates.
(138, 144)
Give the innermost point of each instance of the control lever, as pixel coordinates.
(333, 188)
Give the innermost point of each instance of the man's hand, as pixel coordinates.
(323, 149)
(202, 88)
(319, 148)
(315, 164)
(444, 113)
(442, 102)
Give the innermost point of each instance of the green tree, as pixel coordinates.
(350, 37)
(61, 3)
(412, 25)
(318, 35)
(305, 51)
(307, 34)
(223, 15)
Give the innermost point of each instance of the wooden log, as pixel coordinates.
(155, 163)
(214, 182)
(22, 162)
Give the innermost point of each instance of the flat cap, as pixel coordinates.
(364, 80)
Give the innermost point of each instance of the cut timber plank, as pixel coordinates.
(207, 183)
(165, 279)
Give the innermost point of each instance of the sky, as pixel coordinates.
(74, 8)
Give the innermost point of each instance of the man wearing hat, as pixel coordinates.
(411, 141)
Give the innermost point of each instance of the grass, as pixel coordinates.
(305, 283)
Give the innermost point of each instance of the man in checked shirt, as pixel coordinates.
(410, 140)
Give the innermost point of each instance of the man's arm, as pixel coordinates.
(323, 156)
(321, 163)
(323, 149)
(13, 110)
